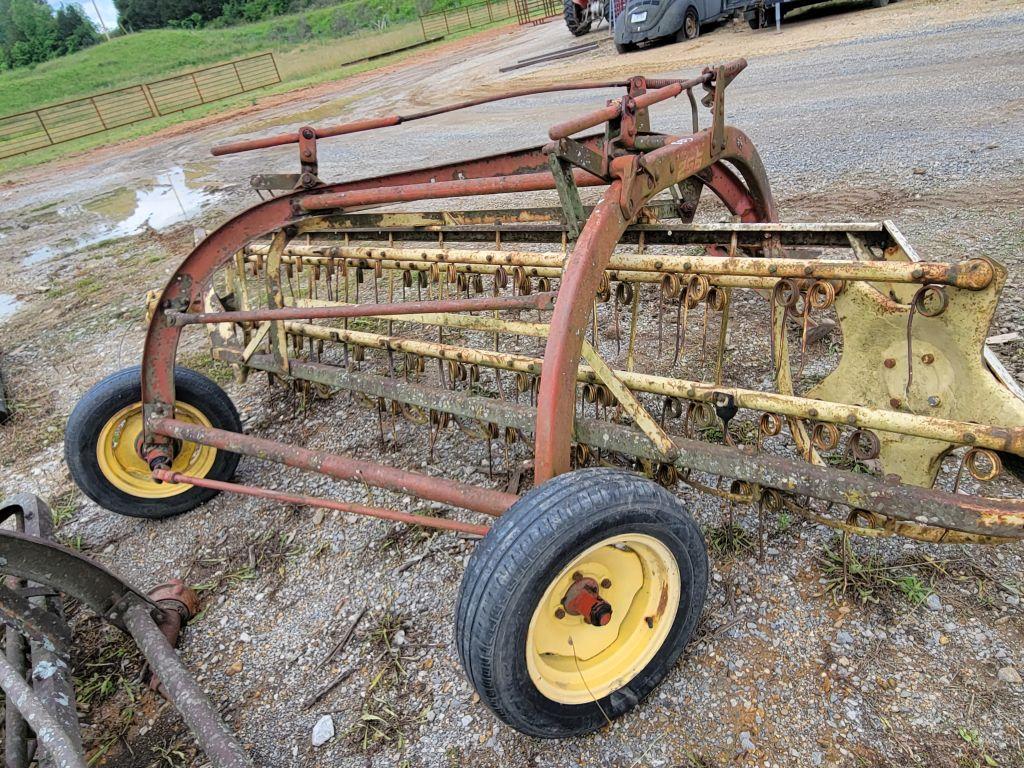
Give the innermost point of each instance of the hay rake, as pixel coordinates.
(601, 334)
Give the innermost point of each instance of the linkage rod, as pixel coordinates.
(312, 501)
(405, 193)
(440, 489)
(534, 301)
(391, 120)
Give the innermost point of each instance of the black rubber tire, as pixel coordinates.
(511, 568)
(118, 391)
(575, 18)
(624, 47)
(691, 26)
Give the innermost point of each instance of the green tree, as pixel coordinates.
(75, 30)
(30, 32)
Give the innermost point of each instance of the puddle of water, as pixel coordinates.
(8, 305)
(39, 255)
(332, 111)
(173, 197)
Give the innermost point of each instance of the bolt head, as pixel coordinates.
(577, 576)
(890, 362)
(895, 402)
(928, 358)
(934, 401)
(606, 583)
(560, 614)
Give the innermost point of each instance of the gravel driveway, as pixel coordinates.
(918, 122)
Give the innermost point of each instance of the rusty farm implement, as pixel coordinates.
(657, 328)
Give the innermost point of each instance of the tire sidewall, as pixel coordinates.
(655, 513)
(121, 390)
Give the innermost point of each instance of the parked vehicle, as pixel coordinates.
(643, 21)
(580, 15)
(646, 20)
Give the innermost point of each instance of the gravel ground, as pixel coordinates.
(914, 117)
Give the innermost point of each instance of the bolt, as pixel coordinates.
(577, 576)
(560, 614)
(307, 133)
(928, 359)
(307, 153)
(606, 583)
(895, 402)
(934, 401)
(890, 362)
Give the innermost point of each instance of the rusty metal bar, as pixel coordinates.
(1009, 439)
(977, 515)
(47, 728)
(312, 501)
(493, 185)
(15, 727)
(592, 119)
(534, 301)
(972, 274)
(391, 120)
(199, 715)
(451, 492)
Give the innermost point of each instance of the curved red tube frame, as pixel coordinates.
(637, 180)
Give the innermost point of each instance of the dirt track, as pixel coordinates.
(910, 113)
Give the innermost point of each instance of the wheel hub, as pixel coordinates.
(584, 599)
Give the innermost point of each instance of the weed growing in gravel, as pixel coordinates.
(383, 719)
(847, 462)
(728, 539)
(63, 507)
(977, 755)
(268, 552)
(107, 673)
(202, 362)
(171, 754)
(868, 579)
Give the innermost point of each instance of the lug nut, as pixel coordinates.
(890, 362)
(928, 358)
(560, 614)
(606, 583)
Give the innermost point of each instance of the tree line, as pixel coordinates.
(31, 32)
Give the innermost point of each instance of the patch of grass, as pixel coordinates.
(847, 462)
(267, 553)
(63, 507)
(712, 434)
(729, 539)
(33, 424)
(202, 362)
(975, 754)
(869, 579)
(172, 754)
(383, 719)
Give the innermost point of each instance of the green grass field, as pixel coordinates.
(307, 47)
(299, 41)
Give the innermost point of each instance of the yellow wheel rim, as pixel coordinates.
(573, 662)
(122, 466)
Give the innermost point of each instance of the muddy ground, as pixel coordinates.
(910, 112)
